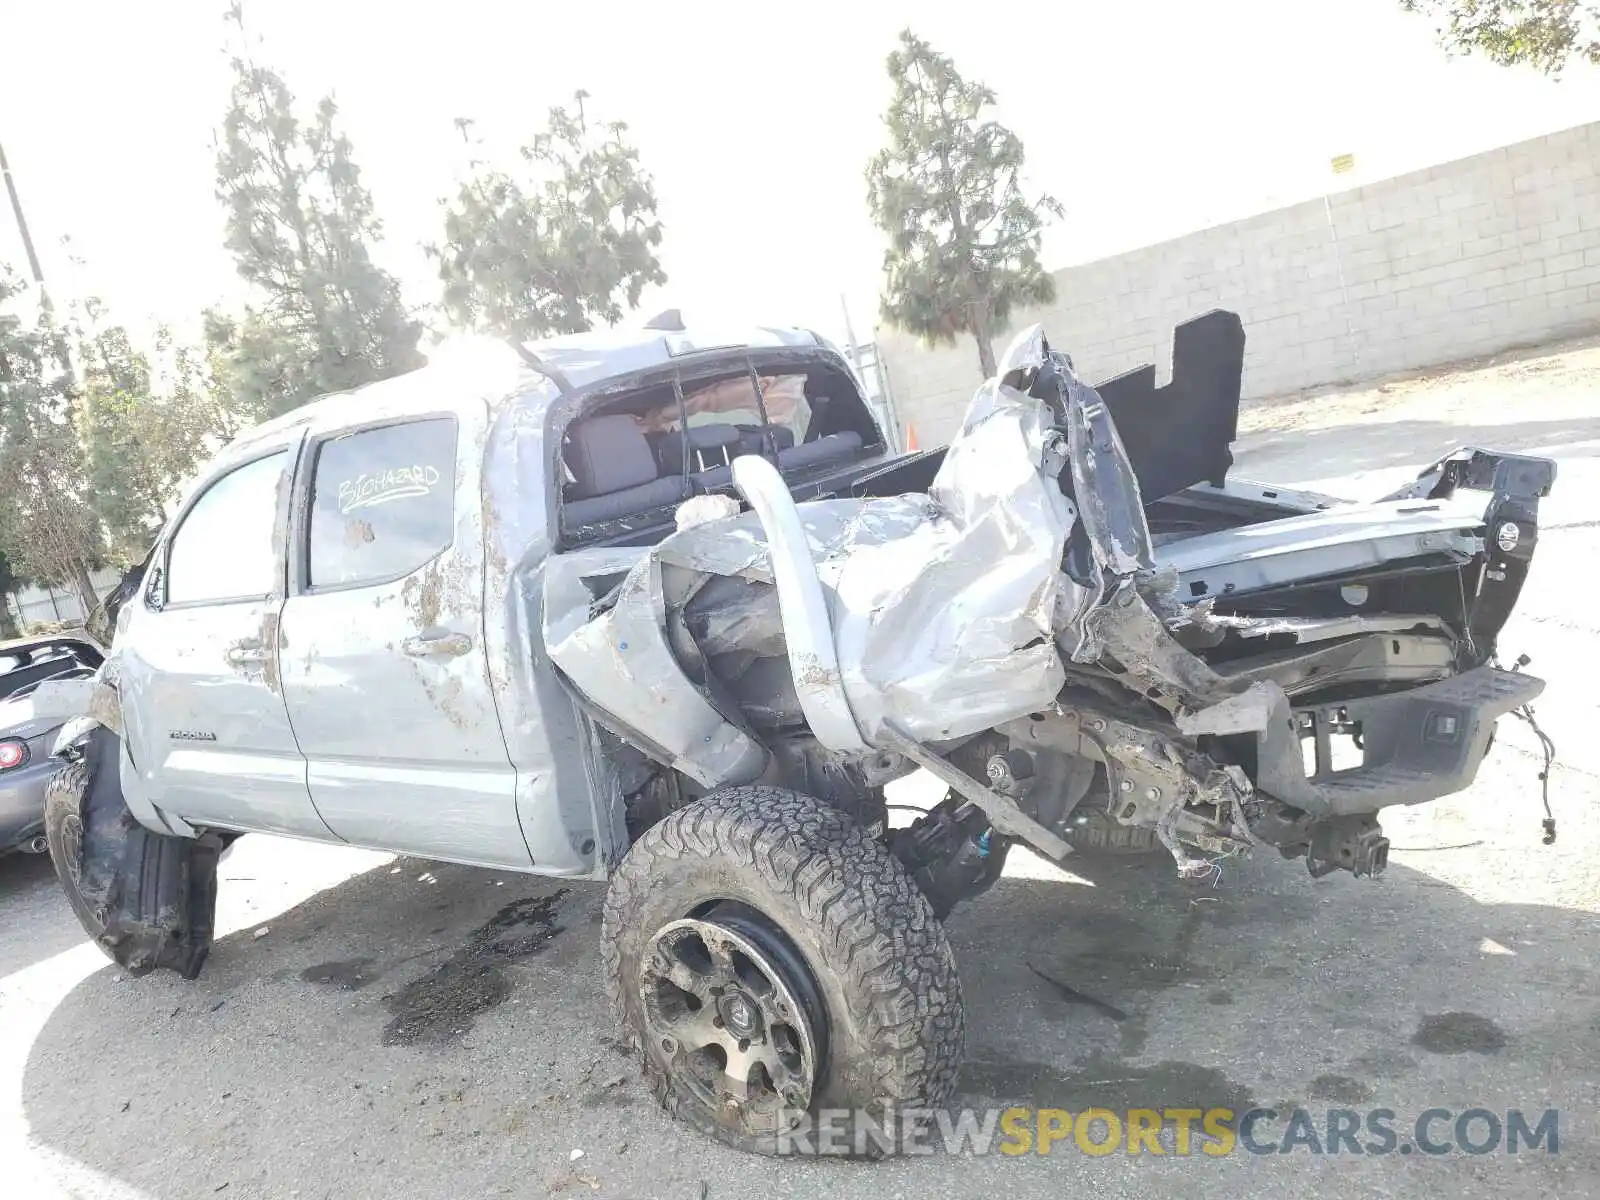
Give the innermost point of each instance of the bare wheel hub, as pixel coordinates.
(731, 1014)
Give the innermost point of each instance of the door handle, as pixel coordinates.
(445, 645)
(249, 651)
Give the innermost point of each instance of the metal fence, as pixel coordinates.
(30, 606)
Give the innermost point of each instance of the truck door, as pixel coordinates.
(383, 661)
(206, 729)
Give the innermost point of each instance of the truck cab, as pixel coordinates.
(338, 636)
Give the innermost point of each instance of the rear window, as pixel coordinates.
(733, 402)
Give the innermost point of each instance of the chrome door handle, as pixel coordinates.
(446, 645)
(250, 651)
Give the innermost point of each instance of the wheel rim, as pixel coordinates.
(732, 1014)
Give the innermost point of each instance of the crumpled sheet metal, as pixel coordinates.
(623, 663)
(1104, 482)
(949, 627)
(944, 606)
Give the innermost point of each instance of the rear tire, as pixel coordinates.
(830, 957)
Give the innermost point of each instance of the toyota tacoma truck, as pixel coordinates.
(662, 609)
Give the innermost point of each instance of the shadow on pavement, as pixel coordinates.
(441, 1031)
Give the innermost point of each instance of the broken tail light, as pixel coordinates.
(13, 753)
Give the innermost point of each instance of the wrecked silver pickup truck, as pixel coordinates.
(665, 611)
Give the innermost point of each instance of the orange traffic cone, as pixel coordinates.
(911, 438)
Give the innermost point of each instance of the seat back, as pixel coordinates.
(607, 454)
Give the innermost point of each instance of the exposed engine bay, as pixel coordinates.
(1080, 614)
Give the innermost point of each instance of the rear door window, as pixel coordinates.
(382, 502)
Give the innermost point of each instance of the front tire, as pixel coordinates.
(63, 832)
(769, 959)
(148, 900)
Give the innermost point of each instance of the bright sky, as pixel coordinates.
(1146, 118)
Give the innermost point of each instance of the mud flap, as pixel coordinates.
(153, 896)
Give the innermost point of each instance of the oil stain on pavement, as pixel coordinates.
(1341, 1089)
(440, 1006)
(1459, 1033)
(348, 975)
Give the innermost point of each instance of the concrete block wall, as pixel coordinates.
(1470, 257)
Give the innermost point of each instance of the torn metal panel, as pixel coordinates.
(1245, 713)
(1141, 648)
(730, 616)
(1306, 630)
(734, 546)
(1105, 486)
(1348, 538)
(1025, 574)
(949, 627)
(1483, 471)
(940, 610)
(1374, 657)
(808, 631)
(622, 661)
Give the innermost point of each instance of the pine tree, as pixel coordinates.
(48, 530)
(300, 226)
(963, 238)
(569, 241)
(144, 431)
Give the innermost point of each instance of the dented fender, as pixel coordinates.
(87, 705)
(83, 705)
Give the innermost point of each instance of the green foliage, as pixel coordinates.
(95, 441)
(8, 584)
(566, 242)
(1543, 34)
(48, 529)
(963, 238)
(300, 226)
(145, 432)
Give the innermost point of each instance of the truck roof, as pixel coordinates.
(476, 368)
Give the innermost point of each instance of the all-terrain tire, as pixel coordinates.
(148, 900)
(876, 953)
(63, 832)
